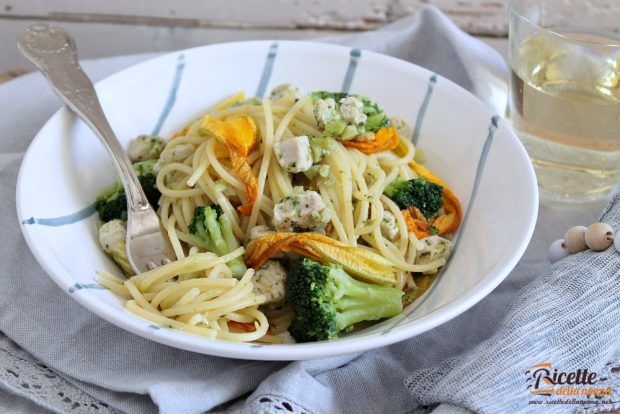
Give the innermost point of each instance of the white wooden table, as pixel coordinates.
(117, 27)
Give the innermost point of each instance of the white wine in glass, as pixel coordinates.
(565, 105)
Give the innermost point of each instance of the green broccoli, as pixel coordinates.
(111, 203)
(212, 231)
(347, 116)
(318, 172)
(148, 180)
(327, 301)
(376, 116)
(418, 192)
(144, 167)
(321, 147)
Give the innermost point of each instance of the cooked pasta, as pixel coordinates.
(253, 184)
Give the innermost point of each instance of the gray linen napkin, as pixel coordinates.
(569, 316)
(139, 376)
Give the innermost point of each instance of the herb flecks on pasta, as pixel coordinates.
(248, 188)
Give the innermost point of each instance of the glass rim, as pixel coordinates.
(514, 9)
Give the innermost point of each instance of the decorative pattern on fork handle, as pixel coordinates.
(53, 51)
(53, 46)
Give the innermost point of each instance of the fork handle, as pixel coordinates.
(53, 52)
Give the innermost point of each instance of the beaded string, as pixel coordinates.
(596, 237)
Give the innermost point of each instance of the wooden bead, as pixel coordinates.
(599, 236)
(557, 251)
(575, 239)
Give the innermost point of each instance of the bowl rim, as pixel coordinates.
(284, 352)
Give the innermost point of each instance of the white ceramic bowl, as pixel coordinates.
(465, 143)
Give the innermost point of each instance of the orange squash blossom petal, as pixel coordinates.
(239, 133)
(360, 263)
(451, 219)
(386, 139)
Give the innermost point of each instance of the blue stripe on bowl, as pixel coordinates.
(63, 220)
(479, 170)
(172, 95)
(90, 210)
(80, 286)
(267, 69)
(354, 57)
(422, 111)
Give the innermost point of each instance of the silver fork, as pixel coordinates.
(53, 52)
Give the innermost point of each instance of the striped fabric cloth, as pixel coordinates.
(569, 317)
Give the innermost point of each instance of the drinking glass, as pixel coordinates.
(565, 93)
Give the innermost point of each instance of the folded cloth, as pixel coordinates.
(569, 316)
(132, 374)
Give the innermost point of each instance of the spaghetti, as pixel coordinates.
(218, 159)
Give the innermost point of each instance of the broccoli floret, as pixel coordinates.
(376, 116)
(318, 172)
(353, 115)
(144, 167)
(321, 147)
(213, 231)
(149, 185)
(418, 192)
(112, 203)
(148, 179)
(327, 301)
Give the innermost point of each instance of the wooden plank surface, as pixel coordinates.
(478, 17)
(481, 17)
(98, 40)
